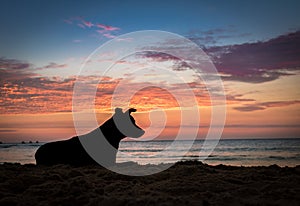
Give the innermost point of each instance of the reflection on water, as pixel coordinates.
(283, 152)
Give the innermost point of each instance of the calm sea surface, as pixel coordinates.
(283, 152)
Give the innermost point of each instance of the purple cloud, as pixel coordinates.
(260, 61)
(250, 62)
(53, 65)
(13, 64)
(157, 56)
(14, 69)
(265, 105)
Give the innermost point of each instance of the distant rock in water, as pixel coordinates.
(30, 142)
(1, 142)
(23, 142)
(36, 141)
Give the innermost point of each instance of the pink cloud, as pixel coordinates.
(110, 36)
(107, 28)
(81, 26)
(87, 23)
(101, 31)
(107, 35)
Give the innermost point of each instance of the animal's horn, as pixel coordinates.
(131, 110)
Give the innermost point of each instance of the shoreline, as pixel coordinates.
(173, 163)
(227, 152)
(27, 142)
(184, 183)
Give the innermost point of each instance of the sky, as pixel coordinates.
(254, 46)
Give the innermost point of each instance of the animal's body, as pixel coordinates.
(72, 152)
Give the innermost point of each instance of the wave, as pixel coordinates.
(8, 145)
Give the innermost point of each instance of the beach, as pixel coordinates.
(184, 183)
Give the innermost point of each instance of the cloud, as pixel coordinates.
(24, 91)
(7, 130)
(81, 25)
(157, 56)
(265, 105)
(238, 126)
(279, 103)
(214, 36)
(13, 64)
(35, 95)
(105, 29)
(110, 36)
(249, 108)
(260, 61)
(181, 66)
(237, 98)
(53, 65)
(11, 69)
(250, 62)
(87, 23)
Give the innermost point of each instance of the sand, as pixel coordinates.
(185, 183)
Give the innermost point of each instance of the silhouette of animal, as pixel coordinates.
(72, 152)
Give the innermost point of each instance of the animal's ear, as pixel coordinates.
(118, 111)
(131, 110)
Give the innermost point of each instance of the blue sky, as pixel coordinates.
(35, 31)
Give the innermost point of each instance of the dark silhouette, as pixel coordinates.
(72, 152)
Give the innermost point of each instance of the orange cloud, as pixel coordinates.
(32, 99)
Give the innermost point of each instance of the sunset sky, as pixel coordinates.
(254, 45)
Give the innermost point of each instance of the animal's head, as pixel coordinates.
(124, 124)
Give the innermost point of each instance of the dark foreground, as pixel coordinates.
(185, 183)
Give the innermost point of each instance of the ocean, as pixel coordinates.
(237, 152)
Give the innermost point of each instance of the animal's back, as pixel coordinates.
(63, 152)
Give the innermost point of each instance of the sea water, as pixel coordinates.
(246, 152)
